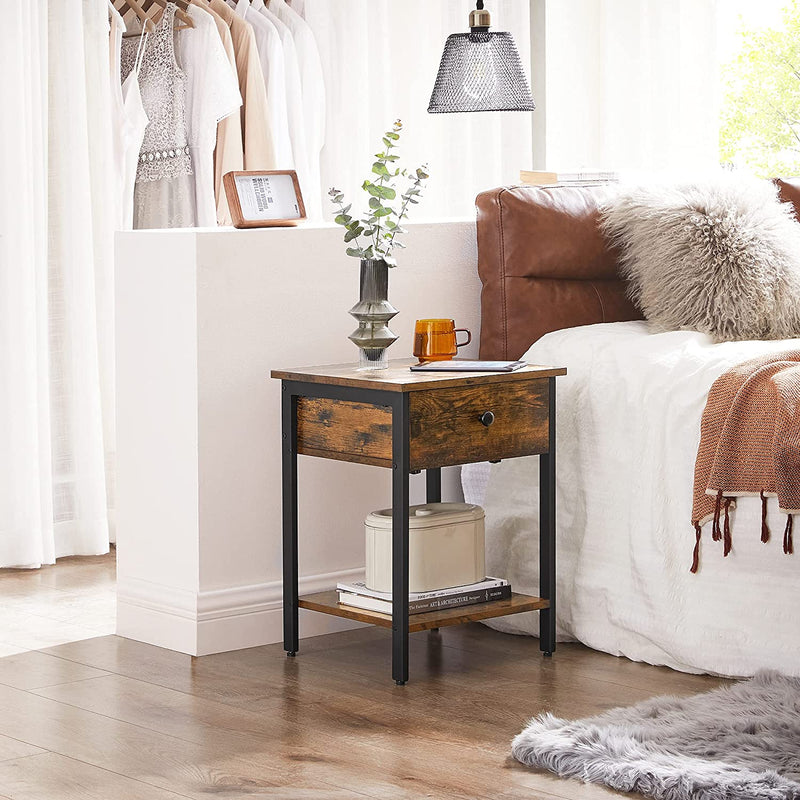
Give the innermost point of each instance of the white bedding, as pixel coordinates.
(628, 427)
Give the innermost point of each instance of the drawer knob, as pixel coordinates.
(487, 418)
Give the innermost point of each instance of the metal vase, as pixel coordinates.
(373, 311)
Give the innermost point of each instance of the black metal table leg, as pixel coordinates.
(400, 470)
(289, 465)
(433, 485)
(547, 533)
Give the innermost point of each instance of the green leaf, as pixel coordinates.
(369, 231)
(399, 244)
(383, 211)
(353, 233)
(390, 224)
(356, 252)
(390, 158)
(422, 174)
(342, 219)
(392, 135)
(384, 192)
(374, 202)
(387, 142)
(412, 200)
(379, 168)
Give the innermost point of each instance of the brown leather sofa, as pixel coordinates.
(544, 264)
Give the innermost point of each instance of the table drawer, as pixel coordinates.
(446, 427)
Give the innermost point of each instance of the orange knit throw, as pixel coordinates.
(749, 446)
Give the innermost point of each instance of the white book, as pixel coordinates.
(544, 178)
(454, 600)
(360, 588)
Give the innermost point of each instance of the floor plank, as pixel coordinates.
(33, 670)
(54, 777)
(13, 748)
(71, 600)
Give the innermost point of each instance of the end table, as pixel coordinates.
(409, 421)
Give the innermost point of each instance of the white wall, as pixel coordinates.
(202, 318)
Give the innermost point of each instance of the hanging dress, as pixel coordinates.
(212, 94)
(164, 195)
(131, 127)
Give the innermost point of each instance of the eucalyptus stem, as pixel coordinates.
(380, 187)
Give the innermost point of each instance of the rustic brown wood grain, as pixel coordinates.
(446, 427)
(328, 603)
(399, 378)
(344, 430)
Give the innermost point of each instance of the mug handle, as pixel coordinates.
(462, 330)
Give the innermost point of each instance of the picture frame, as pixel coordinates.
(264, 198)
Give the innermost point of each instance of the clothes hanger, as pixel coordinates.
(181, 14)
(135, 7)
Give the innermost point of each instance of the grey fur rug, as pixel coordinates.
(738, 742)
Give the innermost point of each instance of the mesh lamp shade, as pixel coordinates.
(480, 71)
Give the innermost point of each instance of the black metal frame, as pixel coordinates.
(547, 531)
(399, 404)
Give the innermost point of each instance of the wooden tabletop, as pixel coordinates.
(399, 378)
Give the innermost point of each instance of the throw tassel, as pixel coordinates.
(696, 555)
(764, 527)
(788, 544)
(716, 533)
(727, 547)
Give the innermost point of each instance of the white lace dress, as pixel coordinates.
(164, 196)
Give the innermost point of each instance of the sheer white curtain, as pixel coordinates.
(631, 84)
(55, 266)
(380, 59)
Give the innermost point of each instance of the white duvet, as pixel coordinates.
(628, 427)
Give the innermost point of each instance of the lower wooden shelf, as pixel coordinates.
(328, 603)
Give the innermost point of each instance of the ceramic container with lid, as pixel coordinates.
(445, 542)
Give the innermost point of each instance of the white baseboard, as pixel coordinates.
(218, 620)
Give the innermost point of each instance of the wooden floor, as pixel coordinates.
(111, 719)
(70, 600)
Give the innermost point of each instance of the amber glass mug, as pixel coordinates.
(435, 339)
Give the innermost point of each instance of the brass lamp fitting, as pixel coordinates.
(479, 17)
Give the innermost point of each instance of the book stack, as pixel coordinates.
(358, 595)
(577, 178)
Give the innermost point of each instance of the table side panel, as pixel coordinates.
(446, 428)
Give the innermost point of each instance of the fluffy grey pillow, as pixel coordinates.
(721, 257)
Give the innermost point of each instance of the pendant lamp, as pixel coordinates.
(480, 71)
